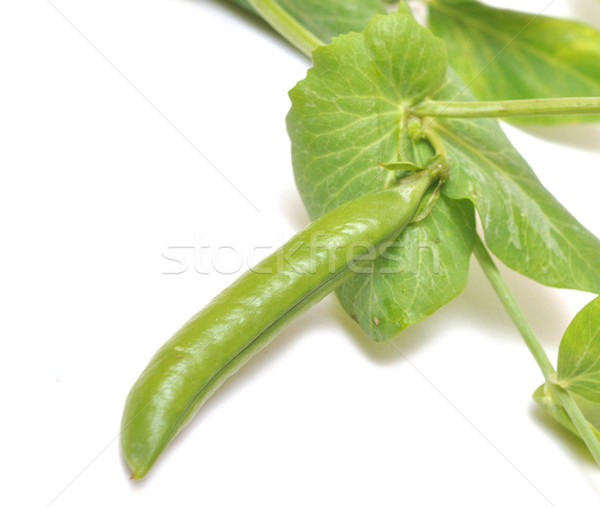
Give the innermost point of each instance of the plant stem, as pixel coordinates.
(287, 26)
(503, 108)
(513, 309)
(578, 420)
(516, 314)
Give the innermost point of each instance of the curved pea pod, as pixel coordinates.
(245, 317)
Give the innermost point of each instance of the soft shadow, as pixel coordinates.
(238, 11)
(408, 341)
(376, 352)
(567, 440)
(292, 209)
(584, 136)
(543, 309)
(479, 303)
(586, 11)
(255, 21)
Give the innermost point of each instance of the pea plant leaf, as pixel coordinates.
(326, 19)
(422, 270)
(525, 226)
(428, 266)
(579, 354)
(350, 111)
(578, 370)
(348, 116)
(503, 54)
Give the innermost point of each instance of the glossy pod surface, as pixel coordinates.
(243, 318)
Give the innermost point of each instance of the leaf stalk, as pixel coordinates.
(518, 317)
(287, 26)
(507, 108)
(578, 420)
(514, 310)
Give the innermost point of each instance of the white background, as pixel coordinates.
(107, 112)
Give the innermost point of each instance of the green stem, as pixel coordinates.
(513, 309)
(516, 314)
(502, 108)
(578, 420)
(287, 26)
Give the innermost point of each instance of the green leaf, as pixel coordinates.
(348, 115)
(579, 354)
(544, 397)
(525, 226)
(326, 19)
(503, 54)
(424, 269)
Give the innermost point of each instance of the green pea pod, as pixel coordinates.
(244, 318)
